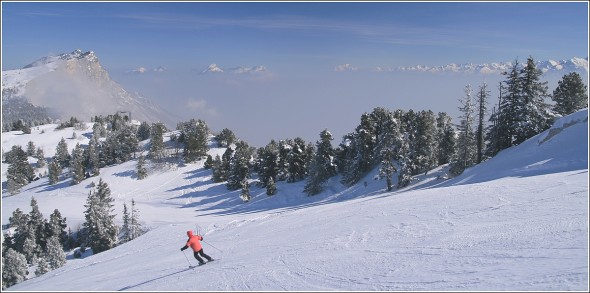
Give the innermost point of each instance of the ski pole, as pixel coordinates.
(212, 245)
(189, 263)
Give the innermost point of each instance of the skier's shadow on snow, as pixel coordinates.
(148, 281)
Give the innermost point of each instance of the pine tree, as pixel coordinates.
(208, 162)
(31, 149)
(56, 227)
(40, 155)
(425, 143)
(297, 159)
(534, 114)
(271, 187)
(14, 268)
(405, 162)
(141, 168)
(239, 167)
(62, 155)
(42, 266)
(125, 231)
(56, 256)
(322, 167)
(101, 231)
(77, 164)
(156, 151)
(143, 132)
(19, 173)
(225, 138)
(570, 95)
(268, 162)
(389, 143)
(481, 101)
(194, 135)
(38, 225)
(245, 194)
(360, 158)
(136, 229)
(54, 171)
(445, 137)
(465, 155)
(93, 156)
(219, 174)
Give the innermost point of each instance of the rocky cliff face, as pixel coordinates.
(75, 84)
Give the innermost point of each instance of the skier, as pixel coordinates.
(194, 243)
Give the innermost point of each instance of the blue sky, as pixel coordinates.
(299, 44)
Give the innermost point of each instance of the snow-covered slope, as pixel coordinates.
(75, 84)
(516, 222)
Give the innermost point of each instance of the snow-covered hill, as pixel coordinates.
(75, 84)
(516, 222)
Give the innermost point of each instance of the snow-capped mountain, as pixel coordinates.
(75, 84)
(572, 65)
(214, 68)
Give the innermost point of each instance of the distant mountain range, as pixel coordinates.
(214, 68)
(571, 65)
(74, 84)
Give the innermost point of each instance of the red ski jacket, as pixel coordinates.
(193, 241)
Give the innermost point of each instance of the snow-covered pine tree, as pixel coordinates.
(271, 187)
(194, 135)
(31, 149)
(136, 229)
(101, 231)
(62, 154)
(141, 168)
(19, 173)
(143, 131)
(322, 166)
(54, 170)
(389, 143)
(30, 249)
(245, 193)
(14, 268)
(268, 162)
(40, 155)
(298, 159)
(360, 158)
(465, 155)
(239, 168)
(219, 174)
(425, 143)
(55, 255)
(405, 162)
(156, 151)
(534, 113)
(570, 95)
(93, 156)
(208, 162)
(38, 224)
(77, 164)
(57, 227)
(42, 266)
(482, 110)
(446, 138)
(125, 232)
(510, 108)
(225, 138)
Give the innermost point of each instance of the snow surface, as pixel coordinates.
(516, 222)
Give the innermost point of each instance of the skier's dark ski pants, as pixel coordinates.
(196, 254)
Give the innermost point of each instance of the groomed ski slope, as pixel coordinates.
(517, 222)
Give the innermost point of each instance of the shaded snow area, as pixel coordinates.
(517, 222)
